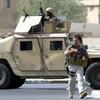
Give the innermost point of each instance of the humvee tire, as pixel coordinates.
(93, 75)
(7, 78)
(17, 81)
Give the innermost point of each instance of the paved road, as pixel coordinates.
(44, 91)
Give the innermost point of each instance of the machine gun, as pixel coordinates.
(42, 14)
(26, 15)
(41, 10)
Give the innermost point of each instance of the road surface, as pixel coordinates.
(44, 91)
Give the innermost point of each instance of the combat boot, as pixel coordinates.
(71, 96)
(83, 94)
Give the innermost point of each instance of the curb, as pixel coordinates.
(50, 81)
(95, 93)
(39, 81)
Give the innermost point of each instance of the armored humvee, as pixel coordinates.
(33, 51)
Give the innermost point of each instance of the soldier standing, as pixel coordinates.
(77, 56)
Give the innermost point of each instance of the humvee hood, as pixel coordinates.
(6, 44)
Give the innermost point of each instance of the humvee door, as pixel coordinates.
(53, 53)
(26, 53)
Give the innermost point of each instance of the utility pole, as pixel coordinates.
(99, 12)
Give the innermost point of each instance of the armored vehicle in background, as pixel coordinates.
(33, 51)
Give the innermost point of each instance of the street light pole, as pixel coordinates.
(99, 12)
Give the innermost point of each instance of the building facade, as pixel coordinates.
(93, 10)
(8, 15)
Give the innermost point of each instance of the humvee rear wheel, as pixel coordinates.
(93, 75)
(5, 76)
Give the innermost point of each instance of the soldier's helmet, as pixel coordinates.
(49, 9)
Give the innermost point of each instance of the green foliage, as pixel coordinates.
(72, 9)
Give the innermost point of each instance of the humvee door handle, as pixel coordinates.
(16, 56)
(46, 56)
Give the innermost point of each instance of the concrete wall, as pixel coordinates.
(8, 15)
(92, 10)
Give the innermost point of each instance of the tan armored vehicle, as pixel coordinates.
(36, 52)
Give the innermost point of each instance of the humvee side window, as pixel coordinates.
(25, 45)
(56, 45)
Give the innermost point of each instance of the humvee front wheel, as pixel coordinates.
(17, 81)
(8, 79)
(93, 75)
(5, 76)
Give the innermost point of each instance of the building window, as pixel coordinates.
(7, 3)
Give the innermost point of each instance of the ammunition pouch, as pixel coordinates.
(77, 59)
(78, 62)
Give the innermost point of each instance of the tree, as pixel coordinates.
(72, 9)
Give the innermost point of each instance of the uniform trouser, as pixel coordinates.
(76, 71)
